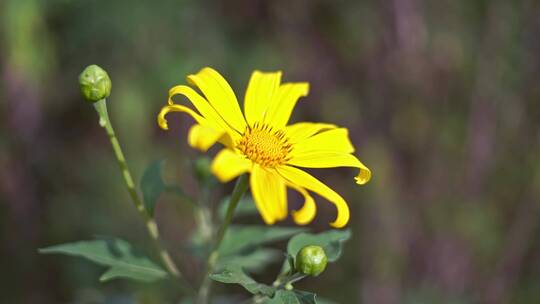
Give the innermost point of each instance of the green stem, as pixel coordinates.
(151, 226)
(291, 279)
(239, 190)
(281, 282)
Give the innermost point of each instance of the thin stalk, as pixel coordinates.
(280, 283)
(239, 190)
(291, 279)
(150, 223)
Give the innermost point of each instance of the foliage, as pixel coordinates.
(240, 250)
(332, 242)
(152, 186)
(240, 238)
(121, 258)
(233, 274)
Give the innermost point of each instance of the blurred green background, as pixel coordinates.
(441, 99)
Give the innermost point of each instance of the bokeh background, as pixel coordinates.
(441, 99)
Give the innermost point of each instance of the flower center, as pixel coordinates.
(265, 146)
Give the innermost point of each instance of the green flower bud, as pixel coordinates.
(95, 83)
(311, 260)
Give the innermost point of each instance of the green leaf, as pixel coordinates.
(305, 297)
(119, 255)
(331, 241)
(241, 246)
(152, 186)
(241, 238)
(233, 274)
(253, 262)
(293, 297)
(246, 206)
(284, 297)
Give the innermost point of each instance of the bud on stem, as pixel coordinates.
(311, 260)
(95, 83)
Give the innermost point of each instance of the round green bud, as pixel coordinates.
(95, 83)
(311, 260)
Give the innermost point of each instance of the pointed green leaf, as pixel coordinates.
(152, 185)
(122, 272)
(233, 274)
(240, 238)
(252, 262)
(119, 255)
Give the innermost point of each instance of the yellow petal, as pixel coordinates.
(307, 212)
(325, 159)
(282, 105)
(336, 140)
(228, 165)
(304, 180)
(214, 119)
(162, 121)
(202, 137)
(302, 130)
(269, 194)
(220, 96)
(261, 89)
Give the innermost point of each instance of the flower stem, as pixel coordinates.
(291, 279)
(151, 225)
(239, 190)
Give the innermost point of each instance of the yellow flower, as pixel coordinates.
(260, 141)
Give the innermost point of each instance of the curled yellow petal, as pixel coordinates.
(307, 212)
(305, 180)
(162, 121)
(220, 96)
(228, 165)
(326, 159)
(364, 176)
